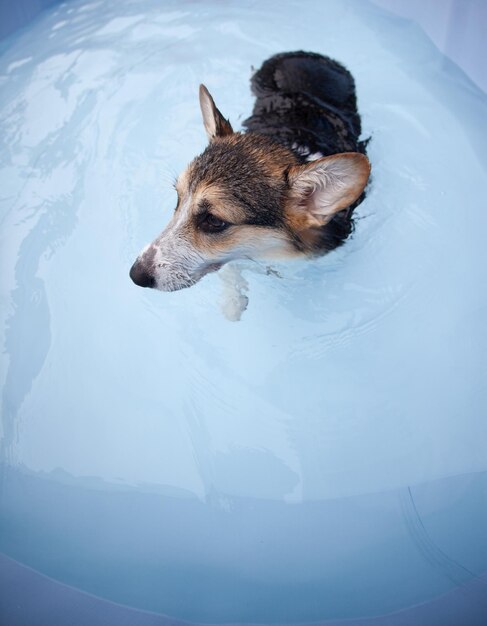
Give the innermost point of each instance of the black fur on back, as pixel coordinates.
(307, 102)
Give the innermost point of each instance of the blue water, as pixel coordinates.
(323, 457)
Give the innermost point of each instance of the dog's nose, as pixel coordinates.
(141, 276)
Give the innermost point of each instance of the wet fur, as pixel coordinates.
(305, 109)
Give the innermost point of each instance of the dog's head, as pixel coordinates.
(246, 196)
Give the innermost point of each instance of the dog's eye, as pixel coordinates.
(213, 224)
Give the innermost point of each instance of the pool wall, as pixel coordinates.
(457, 27)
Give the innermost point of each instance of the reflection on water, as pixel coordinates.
(263, 468)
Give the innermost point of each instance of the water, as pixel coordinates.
(323, 457)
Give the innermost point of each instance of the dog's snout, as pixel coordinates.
(141, 275)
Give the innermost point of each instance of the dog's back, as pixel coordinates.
(307, 102)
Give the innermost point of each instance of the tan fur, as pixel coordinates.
(222, 206)
(341, 176)
(284, 221)
(272, 241)
(248, 239)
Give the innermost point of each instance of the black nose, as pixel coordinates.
(141, 276)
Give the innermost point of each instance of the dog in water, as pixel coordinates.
(285, 187)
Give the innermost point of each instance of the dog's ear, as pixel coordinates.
(321, 188)
(215, 124)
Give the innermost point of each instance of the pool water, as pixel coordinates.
(324, 457)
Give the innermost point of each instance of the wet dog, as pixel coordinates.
(285, 187)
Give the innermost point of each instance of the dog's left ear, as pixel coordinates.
(215, 124)
(322, 188)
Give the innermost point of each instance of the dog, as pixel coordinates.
(284, 187)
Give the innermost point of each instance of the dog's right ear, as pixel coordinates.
(215, 124)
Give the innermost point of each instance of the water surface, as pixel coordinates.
(325, 456)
